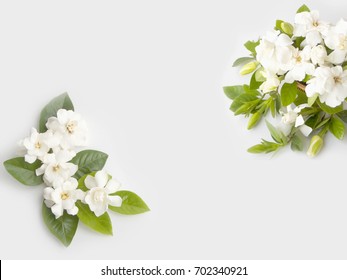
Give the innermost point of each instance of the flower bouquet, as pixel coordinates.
(299, 73)
(78, 189)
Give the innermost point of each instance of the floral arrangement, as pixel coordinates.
(299, 73)
(77, 186)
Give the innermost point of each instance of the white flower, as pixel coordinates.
(291, 117)
(70, 126)
(271, 83)
(37, 145)
(63, 198)
(319, 55)
(330, 84)
(57, 168)
(100, 187)
(308, 25)
(274, 51)
(336, 40)
(299, 65)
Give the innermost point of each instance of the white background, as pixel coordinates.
(147, 76)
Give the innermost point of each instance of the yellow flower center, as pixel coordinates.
(56, 168)
(38, 145)
(342, 42)
(64, 196)
(337, 80)
(70, 127)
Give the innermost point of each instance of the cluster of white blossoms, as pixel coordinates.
(77, 189)
(299, 72)
(318, 60)
(55, 148)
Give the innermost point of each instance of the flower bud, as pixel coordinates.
(315, 146)
(287, 28)
(249, 68)
(254, 119)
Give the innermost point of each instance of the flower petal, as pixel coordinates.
(57, 210)
(114, 200)
(90, 182)
(305, 129)
(101, 178)
(49, 203)
(299, 121)
(100, 209)
(79, 195)
(73, 211)
(30, 159)
(112, 186)
(337, 56)
(47, 193)
(68, 204)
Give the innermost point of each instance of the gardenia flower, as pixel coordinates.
(308, 25)
(274, 52)
(63, 198)
(70, 126)
(292, 117)
(37, 145)
(271, 83)
(330, 84)
(57, 168)
(100, 187)
(336, 40)
(299, 65)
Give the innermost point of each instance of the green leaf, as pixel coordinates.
(312, 100)
(297, 143)
(265, 147)
(251, 91)
(24, 172)
(273, 107)
(298, 41)
(254, 84)
(63, 228)
(260, 75)
(276, 134)
(343, 115)
(301, 98)
(233, 91)
(247, 107)
(337, 127)
(63, 101)
(328, 109)
(251, 45)
(81, 184)
(288, 93)
(313, 119)
(287, 28)
(132, 204)
(321, 123)
(278, 25)
(242, 61)
(242, 99)
(89, 161)
(100, 224)
(303, 8)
